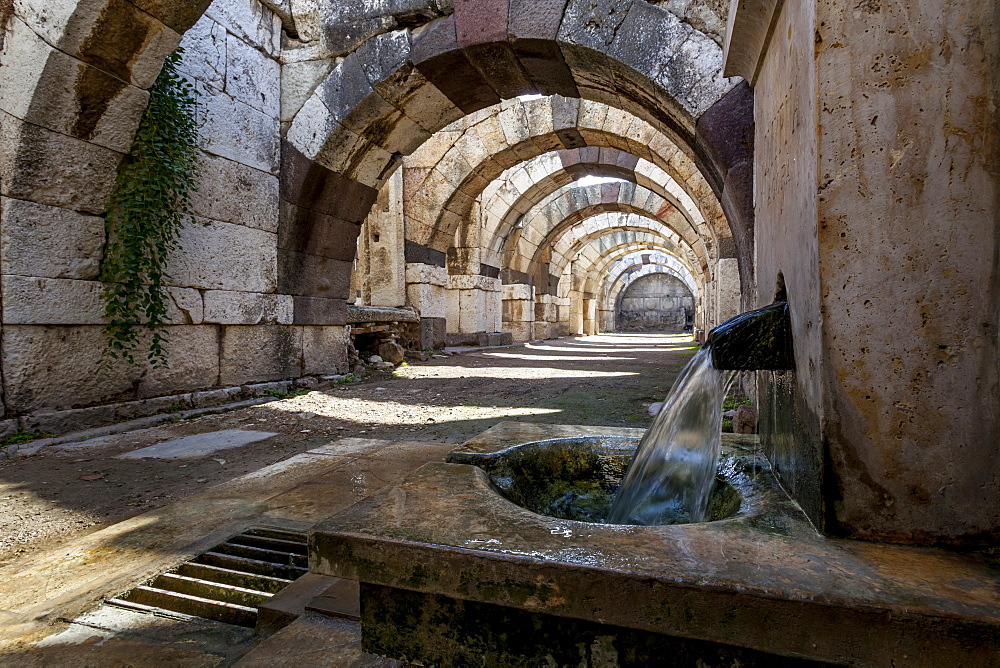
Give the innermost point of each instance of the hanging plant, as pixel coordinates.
(150, 203)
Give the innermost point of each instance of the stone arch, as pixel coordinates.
(617, 272)
(380, 102)
(461, 161)
(636, 279)
(508, 199)
(398, 88)
(542, 228)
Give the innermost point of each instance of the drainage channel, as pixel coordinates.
(227, 583)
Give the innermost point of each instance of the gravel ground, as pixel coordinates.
(608, 380)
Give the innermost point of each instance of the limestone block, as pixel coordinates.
(433, 333)
(247, 308)
(51, 301)
(319, 311)
(418, 272)
(260, 353)
(55, 367)
(464, 261)
(429, 300)
(324, 350)
(143, 40)
(204, 56)
(193, 356)
(311, 127)
(40, 240)
(539, 116)
(592, 23)
(81, 179)
(521, 332)
(591, 115)
(298, 81)
(453, 309)
(49, 88)
(185, 306)
(494, 313)
(313, 276)
(231, 192)
(472, 316)
(518, 291)
(250, 21)
(252, 77)
(226, 395)
(239, 132)
(221, 256)
(518, 310)
(474, 282)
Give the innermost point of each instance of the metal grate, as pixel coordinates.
(227, 583)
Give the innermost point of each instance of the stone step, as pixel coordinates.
(265, 583)
(275, 544)
(262, 554)
(214, 591)
(279, 534)
(335, 597)
(196, 606)
(249, 565)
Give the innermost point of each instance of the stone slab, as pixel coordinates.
(291, 602)
(199, 445)
(772, 585)
(315, 640)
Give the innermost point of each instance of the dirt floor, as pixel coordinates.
(611, 379)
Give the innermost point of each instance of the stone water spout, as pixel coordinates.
(759, 340)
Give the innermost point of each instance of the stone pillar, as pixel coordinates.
(546, 317)
(876, 200)
(474, 304)
(519, 311)
(426, 288)
(381, 253)
(727, 290)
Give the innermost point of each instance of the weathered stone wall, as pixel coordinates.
(658, 302)
(877, 201)
(786, 212)
(230, 327)
(909, 234)
(301, 131)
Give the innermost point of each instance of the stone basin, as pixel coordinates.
(454, 573)
(577, 478)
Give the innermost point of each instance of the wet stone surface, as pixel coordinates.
(578, 478)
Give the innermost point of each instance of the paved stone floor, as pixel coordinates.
(321, 462)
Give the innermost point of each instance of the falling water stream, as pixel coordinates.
(672, 475)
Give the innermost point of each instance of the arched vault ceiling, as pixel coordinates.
(590, 243)
(591, 257)
(451, 171)
(546, 223)
(510, 197)
(613, 285)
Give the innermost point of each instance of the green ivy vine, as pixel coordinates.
(150, 203)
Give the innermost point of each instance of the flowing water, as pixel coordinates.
(673, 472)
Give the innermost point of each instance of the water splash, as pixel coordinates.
(672, 475)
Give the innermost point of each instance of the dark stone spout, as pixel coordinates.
(754, 341)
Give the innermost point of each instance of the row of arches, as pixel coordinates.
(481, 123)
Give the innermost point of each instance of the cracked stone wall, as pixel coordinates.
(306, 108)
(877, 205)
(658, 302)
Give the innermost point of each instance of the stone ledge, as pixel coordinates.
(769, 583)
(94, 421)
(358, 314)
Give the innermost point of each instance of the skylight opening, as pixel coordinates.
(591, 180)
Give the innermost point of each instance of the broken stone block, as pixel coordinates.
(391, 352)
(745, 420)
